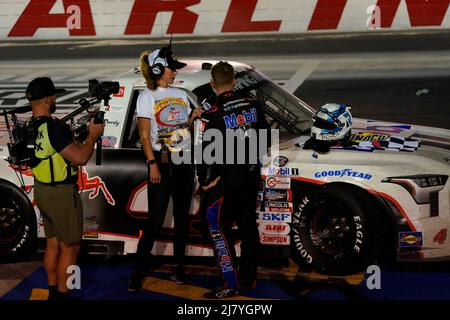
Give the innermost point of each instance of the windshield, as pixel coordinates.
(283, 107)
(283, 110)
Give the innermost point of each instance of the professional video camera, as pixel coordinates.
(98, 91)
(22, 133)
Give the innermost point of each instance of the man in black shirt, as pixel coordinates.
(233, 199)
(55, 176)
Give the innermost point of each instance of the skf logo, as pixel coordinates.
(234, 121)
(120, 94)
(276, 217)
(410, 239)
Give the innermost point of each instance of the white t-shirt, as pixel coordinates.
(168, 110)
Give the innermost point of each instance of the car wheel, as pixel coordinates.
(334, 230)
(17, 223)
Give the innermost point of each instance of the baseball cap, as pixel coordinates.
(40, 88)
(165, 57)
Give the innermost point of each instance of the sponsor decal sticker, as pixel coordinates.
(344, 173)
(234, 121)
(90, 235)
(274, 206)
(280, 161)
(410, 239)
(277, 195)
(275, 217)
(94, 185)
(114, 123)
(441, 236)
(120, 94)
(275, 228)
(282, 172)
(368, 136)
(278, 183)
(275, 239)
(109, 141)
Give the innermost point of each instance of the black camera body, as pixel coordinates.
(103, 90)
(99, 91)
(21, 149)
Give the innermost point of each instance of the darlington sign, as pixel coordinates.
(118, 18)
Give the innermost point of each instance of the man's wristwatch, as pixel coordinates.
(150, 162)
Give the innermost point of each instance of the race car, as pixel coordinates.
(386, 195)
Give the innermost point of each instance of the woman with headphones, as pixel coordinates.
(163, 121)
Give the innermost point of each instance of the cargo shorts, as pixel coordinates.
(61, 210)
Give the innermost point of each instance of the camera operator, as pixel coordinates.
(55, 171)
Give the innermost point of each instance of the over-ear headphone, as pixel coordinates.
(157, 69)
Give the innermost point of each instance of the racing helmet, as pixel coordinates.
(332, 122)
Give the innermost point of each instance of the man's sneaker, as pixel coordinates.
(178, 274)
(222, 293)
(135, 283)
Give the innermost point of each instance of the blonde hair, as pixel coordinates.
(146, 72)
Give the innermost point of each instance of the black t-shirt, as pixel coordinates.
(59, 134)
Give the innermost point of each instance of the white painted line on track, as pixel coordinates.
(301, 75)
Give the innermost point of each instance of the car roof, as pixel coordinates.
(196, 73)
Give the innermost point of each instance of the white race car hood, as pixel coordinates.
(366, 131)
(436, 137)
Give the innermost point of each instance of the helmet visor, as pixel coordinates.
(323, 124)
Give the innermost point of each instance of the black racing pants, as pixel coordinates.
(224, 207)
(178, 181)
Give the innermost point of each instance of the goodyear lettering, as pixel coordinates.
(303, 253)
(234, 121)
(296, 238)
(343, 173)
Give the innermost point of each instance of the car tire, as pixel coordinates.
(18, 231)
(335, 229)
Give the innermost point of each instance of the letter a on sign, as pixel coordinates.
(37, 15)
(74, 280)
(374, 280)
(74, 21)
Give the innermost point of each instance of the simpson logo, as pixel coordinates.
(278, 183)
(274, 228)
(275, 217)
(410, 239)
(343, 173)
(275, 239)
(283, 172)
(280, 161)
(277, 195)
(273, 206)
(120, 94)
(234, 121)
